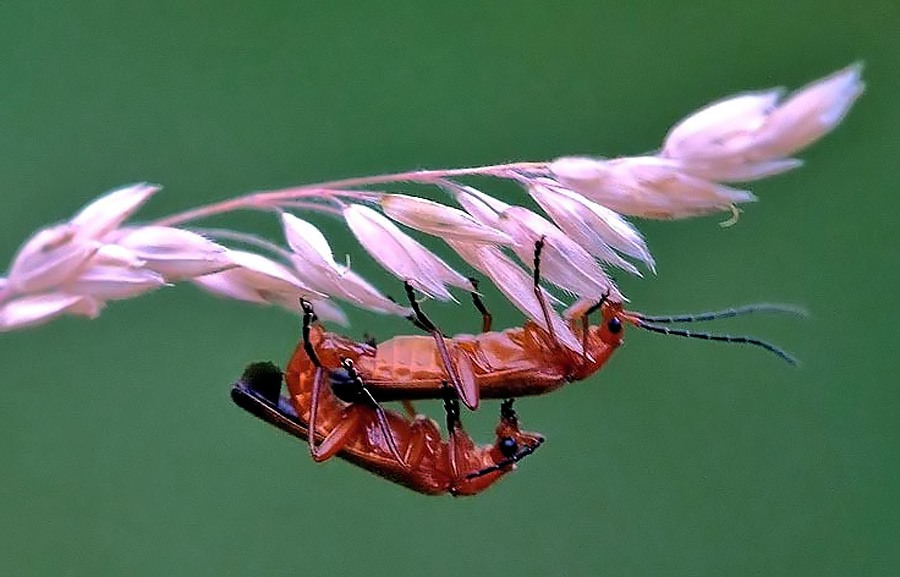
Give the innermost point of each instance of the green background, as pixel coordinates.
(121, 453)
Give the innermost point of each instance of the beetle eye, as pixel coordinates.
(614, 325)
(508, 447)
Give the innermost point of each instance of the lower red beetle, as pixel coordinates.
(406, 450)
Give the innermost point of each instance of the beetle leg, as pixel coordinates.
(415, 451)
(410, 409)
(366, 398)
(463, 455)
(585, 327)
(486, 318)
(539, 292)
(585, 321)
(462, 380)
(451, 407)
(454, 426)
(508, 413)
(411, 317)
(314, 411)
(598, 305)
(309, 317)
(421, 319)
(339, 436)
(385, 425)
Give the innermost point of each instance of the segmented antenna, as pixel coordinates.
(724, 314)
(738, 339)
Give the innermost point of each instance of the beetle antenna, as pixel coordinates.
(724, 314)
(736, 339)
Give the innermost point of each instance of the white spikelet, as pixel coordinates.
(315, 265)
(34, 310)
(563, 261)
(400, 254)
(113, 282)
(645, 186)
(108, 212)
(48, 258)
(598, 229)
(440, 220)
(175, 253)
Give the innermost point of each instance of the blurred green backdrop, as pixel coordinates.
(122, 454)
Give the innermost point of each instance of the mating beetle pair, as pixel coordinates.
(344, 416)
